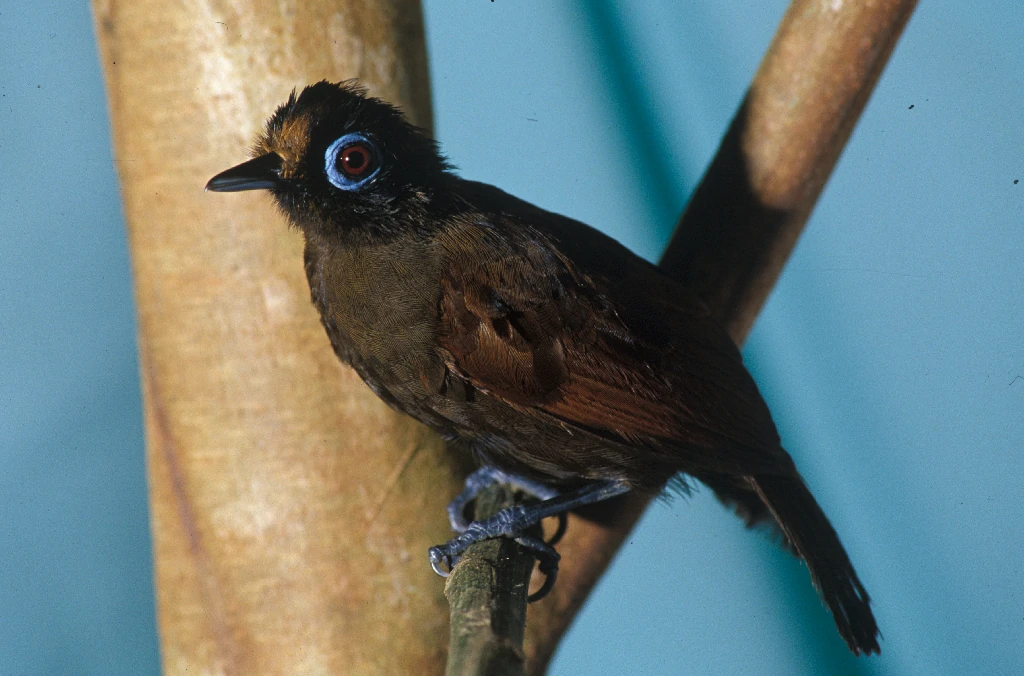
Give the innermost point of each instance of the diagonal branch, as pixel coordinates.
(746, 216)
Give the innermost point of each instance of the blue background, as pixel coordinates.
(891, 351)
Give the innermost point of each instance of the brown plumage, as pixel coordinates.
(539, 344)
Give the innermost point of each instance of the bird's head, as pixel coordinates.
(337, 161)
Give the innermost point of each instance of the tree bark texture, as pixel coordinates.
(291, 509)
(487, 593)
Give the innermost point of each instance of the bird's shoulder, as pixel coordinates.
(546, 253)
(552, 316)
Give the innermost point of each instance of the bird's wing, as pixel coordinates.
(525, 325)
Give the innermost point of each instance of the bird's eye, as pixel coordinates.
(351, 161)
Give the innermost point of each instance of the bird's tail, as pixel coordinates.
(812, 536)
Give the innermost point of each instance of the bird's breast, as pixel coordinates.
(379, 307)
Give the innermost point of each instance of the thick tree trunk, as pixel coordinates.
(291, 509)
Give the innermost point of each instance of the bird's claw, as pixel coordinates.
(563, 524)
(512, 521)
(547, 563)
(444, 558)
(438, 557)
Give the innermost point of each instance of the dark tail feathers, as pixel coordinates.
(812, 536)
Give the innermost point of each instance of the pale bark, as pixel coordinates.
(291, 509)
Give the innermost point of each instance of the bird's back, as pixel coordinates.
(670, 342)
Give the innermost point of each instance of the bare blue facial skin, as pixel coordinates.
(332, 160)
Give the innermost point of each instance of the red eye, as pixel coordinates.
(352, 161)
(355, 160)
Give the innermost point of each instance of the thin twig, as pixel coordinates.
(487, 592)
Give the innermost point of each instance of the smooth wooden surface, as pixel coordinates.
(745, 217)
(291, 509)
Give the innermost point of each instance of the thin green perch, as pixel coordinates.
(487, 593)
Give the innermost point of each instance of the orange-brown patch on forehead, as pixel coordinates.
(290, 142)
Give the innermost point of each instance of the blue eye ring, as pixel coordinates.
(351, 161)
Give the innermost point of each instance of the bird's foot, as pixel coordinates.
(443, 558)
(486, 476)
(513, 521)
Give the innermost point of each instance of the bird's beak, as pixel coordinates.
(258, 174)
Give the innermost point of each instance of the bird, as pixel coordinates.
(561, 361)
